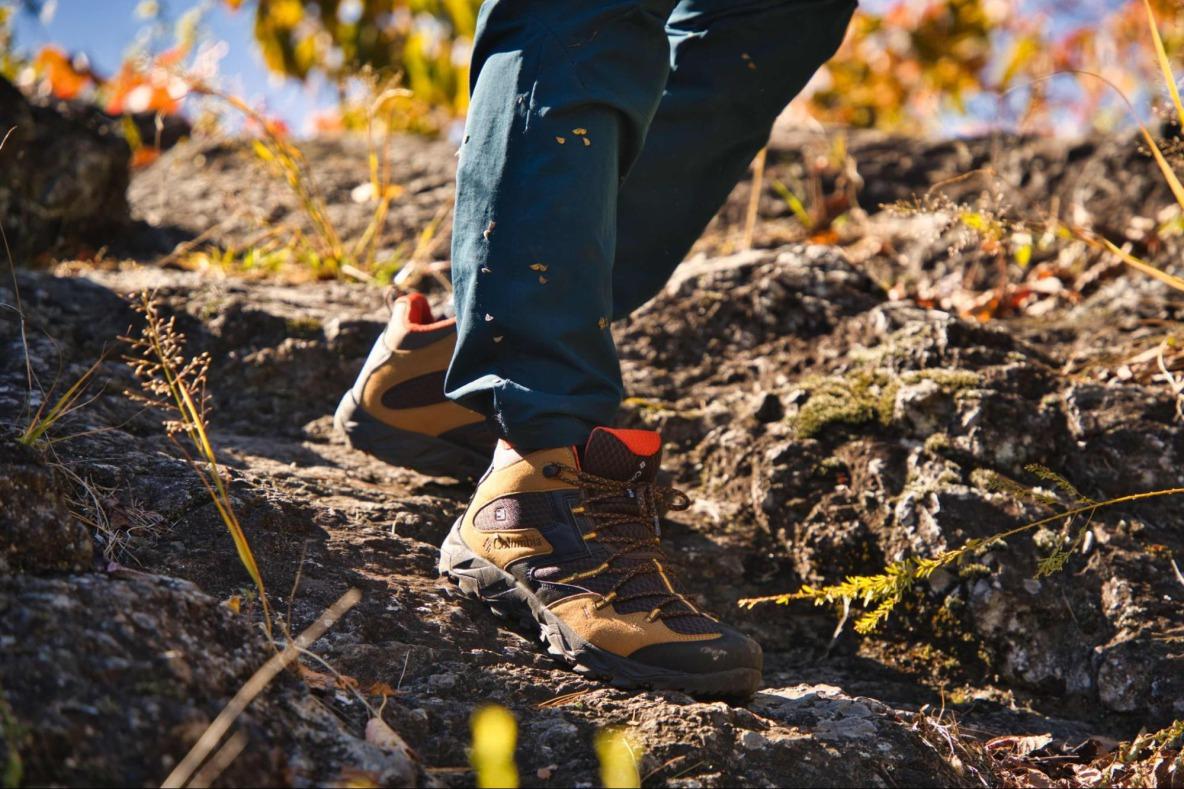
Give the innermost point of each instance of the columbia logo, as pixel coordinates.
(500, 542)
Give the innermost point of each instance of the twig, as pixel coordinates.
(253, 687)
(1175, 384)
(16, 289)
(407, 659)
(295, 588)
(1179, 575)
(754, 197)
(211, 770)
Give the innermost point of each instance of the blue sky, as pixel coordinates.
(103, 30)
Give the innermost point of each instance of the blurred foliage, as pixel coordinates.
(891, 63)
(618, 754)
(899, 70)
(495, 736)
(425, 42)
(10, 63)
(906, 65)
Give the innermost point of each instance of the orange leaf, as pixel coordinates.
(277, 128)
(64, 80)
(381, 689)
(828, 236)
(317, 679)
(144, 156)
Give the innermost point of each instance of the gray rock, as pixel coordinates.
(62, 179)
(38, 533)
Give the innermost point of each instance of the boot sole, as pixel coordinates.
(481, 580)
(425, 454)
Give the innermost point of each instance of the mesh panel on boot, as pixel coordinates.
(523, 511)
(607, 456)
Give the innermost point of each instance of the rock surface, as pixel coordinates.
(822, 427)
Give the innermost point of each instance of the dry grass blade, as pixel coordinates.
(562, 699)
(43, 420)
(16, 288)
(276, 151)
(754, 198)
(213, 734)
(218, 763)
(1165, 168)
(1168, 173)
(1165, 65)
(177, 385)
(1143, 266)
(1170, 80)
(886, 589)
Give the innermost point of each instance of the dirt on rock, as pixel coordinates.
(823, 424)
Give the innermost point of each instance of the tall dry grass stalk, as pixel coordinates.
(176, 385)
(324, 249)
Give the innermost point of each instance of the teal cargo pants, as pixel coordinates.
(602, 137)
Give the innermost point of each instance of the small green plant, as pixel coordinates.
(176, 385)
(880, 594)
(855, 399)
(44, 419)
(1150, 759)
(865, 396)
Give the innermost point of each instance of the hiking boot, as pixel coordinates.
(572, 544)
(396, 409)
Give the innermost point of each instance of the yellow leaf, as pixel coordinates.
(286, 13)
(1022, 249)
(262, 151)
(495, 735)
(1023, 255)
(381, 689)
(618, 759)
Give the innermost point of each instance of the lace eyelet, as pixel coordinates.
(551, 470)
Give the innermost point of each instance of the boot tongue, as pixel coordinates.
(634, 456)
(625, 455)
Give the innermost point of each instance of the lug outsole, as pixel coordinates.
(481, 580)
(425, 454)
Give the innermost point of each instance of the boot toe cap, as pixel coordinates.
(731, 651)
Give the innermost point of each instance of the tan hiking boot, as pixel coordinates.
(396, 409)
(576, 546)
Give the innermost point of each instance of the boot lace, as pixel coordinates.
(613, 504)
